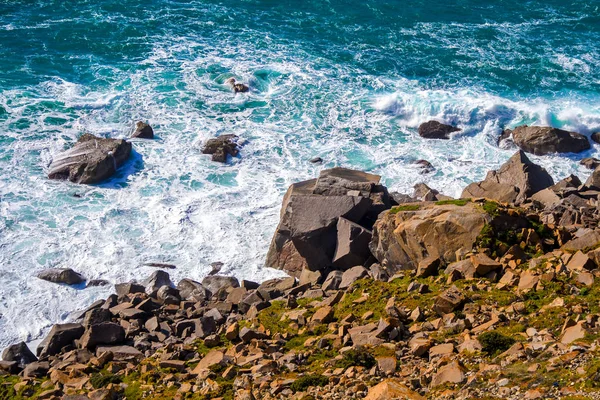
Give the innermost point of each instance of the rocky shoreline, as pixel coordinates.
(493, 295)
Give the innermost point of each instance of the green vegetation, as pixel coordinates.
(102, 379)
(494, 342)
(303, 383)
(491, 208)
(459, 202)
(406, 207)
(357, 358)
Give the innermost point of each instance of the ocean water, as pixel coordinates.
(349, 81)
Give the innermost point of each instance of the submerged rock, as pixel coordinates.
(436, 130)
(143, 131)
(91, 160)
(542, 140)
(221, 146)
(61, 275)
(515, 181)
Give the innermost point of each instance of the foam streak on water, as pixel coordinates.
(348, 83)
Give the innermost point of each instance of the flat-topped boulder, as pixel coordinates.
(307, 234)
(407, 234)
(436, 130)
(541, 140)
(514, 182)
(91, 160)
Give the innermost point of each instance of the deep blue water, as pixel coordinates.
(348, 81)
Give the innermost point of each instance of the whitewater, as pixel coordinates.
(349, 82)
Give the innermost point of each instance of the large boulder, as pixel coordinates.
(542, 140)
(61, 275)
(20, 354)
(221, 146)
(307, 234)
(60, 335)
(157, 280)
(102, 333)
(143, 131)
(352, 244)
(406, 235)
(91, 160)
(436, 130)
(514, 182)
(214, 283)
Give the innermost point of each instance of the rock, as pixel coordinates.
(96, 316)
(595, 137)
(247, 334)
(448, 301)
(121, 353)
(214, 357)
(123, 289)
(306, 236)
(441, 350)
(483, 264)
(449, 373)
(422, 192)
(323, 315)
(214, 283)
(584, 240)
(424, 166)
(143, 131)
(38, 369)
(316, 160)
(403, 238)
(333, 280)
(436, 130)
(528, 280)
(352, 244)
(593, 181)
(11, 367)
(91, 160)
(590, 162)
(547, 197)
(97, 282)
(428, 267)
(419, 345)
(20, 354)
(192, 290)
(61, 275)
(352, 275)
(585, 278)
(221, 146)
(580, 262)
(102, 333)
(574, 333)
(515, 181)
(391, 389)
(544, 140)
(157, 280)
(237, 87)
(60, 335)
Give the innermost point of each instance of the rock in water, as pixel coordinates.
(436, 130)
(91, 160)
(238, 87)
(221, 146)
(307, 234)
(515, 181)
(61, 275)
(542, 140)
(143, 131)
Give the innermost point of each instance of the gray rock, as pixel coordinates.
(102, 333)
(352, 244)
(60, 335)
(143, 131)
(91, 160)
(192, 290)
(157, 280)
(215, 283)
(20, 354)
(352, 275)
(61, 275)
(333, 281)
(123, 289)
(36, 370)
(590, 162)
(541, 140)
(436, 130)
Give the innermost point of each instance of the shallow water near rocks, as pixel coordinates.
(347, 81)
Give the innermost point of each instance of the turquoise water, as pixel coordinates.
(347, 81)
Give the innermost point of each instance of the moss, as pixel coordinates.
(460, 202)
(100, 380)
(270, 318)
(491, 208)
(406, 207)
(303, 383)
(494, 342)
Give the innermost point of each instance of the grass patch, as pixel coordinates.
(459, 202)
(491, 208)
(356, 358)
(494, 342)
(406, 207)
(304, 382)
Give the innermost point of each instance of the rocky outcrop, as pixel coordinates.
(143, 131)
(91, 160)
(222, 146)
(61, 275)
(514, 182)
(307, 234)
(60, 336)
(436, 130)
(542, 140)
(408, 234)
